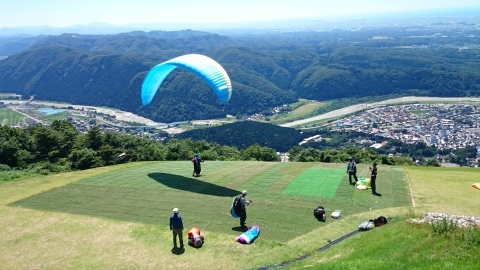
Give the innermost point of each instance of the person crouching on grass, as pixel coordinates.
(194, 237)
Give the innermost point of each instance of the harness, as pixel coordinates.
(351, 166)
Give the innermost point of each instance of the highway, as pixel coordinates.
(130, 117)
(363, 106)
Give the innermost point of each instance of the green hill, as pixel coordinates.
(266, 71)
(246, 133)
(117, 217)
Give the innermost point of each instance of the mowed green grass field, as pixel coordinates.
(117, 217)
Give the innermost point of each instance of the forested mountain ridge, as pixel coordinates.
(247, 133)
(152, 42)
(266, 70)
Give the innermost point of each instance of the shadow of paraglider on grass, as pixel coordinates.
(192, 185)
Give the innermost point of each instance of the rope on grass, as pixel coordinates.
(331, 243)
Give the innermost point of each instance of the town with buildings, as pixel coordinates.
(444, 126)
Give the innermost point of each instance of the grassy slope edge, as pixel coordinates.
(52, 240)
(401, 245)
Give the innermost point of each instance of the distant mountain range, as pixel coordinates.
(436, 58)
(347, 22)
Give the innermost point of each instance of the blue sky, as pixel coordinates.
(62, 13)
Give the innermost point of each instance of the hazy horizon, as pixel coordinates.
(58, 13)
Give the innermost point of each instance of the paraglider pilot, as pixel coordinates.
(197, 167)
(242, 211)
(176, 226)
(352, 171)
(319, 213)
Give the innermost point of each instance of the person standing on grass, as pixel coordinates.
(352, 171)
(241, 209)
(176, 226)
(197, 166)
(373, 178)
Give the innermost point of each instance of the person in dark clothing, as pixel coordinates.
(176, 226)
(241, 204)
(319, 213)
(352, 171)
(373, 178)
(197, 166)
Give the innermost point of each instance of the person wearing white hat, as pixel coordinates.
(242, 212)
(176, 226)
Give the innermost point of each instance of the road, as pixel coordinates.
(362, 106)
(28, 116)
(130, 117)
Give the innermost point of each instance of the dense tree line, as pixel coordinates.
(333, 147)
(244, 134)
(266, 70)
(60, 147)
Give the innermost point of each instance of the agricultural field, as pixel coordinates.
(117, 217)
(10, 118)
(301, 109)
(50, 115)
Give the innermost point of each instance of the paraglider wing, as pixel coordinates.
(201, 65)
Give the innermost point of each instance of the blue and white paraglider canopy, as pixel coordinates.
(201, 65)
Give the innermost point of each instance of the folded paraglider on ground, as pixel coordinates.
(363, 183)
(249, 236)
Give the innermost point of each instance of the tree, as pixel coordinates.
(308, 155)
(48, 142)
(150, 151)
(294, 152)
(85, 159)
(403, 160)
(259, 153)
(67, 134)
(432, 162)
(387, 160)
(17, 149)
(229, 153)
(94, 138)
(177, 150)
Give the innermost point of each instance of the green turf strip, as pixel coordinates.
(316, 182)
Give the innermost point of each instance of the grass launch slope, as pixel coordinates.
(284, 195)
(117, 217)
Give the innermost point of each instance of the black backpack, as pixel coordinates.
(237, 205)
(380, 221)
